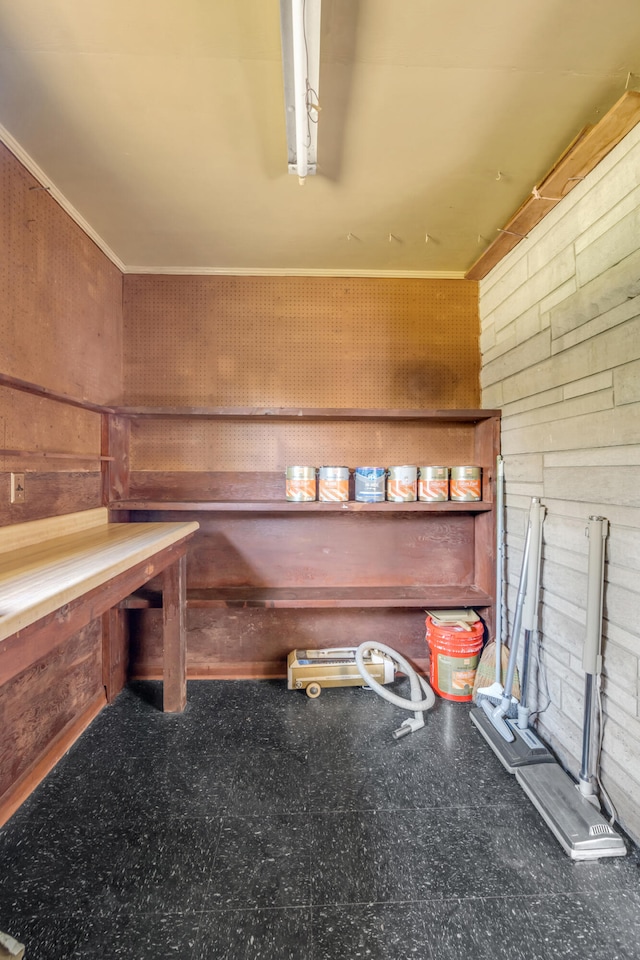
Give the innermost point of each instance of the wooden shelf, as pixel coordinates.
(423, 596)
(313, 506)
(304, 413)
(314, 574)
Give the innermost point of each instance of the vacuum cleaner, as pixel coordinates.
(372, 664)
(312, 670)
(572, 810)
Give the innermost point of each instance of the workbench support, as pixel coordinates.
(174, 677)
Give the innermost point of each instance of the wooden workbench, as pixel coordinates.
(58, 574)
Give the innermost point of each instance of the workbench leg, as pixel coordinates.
(115, 652)
(174, 637)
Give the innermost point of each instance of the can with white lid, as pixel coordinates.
(402, 484)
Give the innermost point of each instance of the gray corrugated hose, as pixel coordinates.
(419, 686)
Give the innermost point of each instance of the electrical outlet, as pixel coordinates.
(17, 488)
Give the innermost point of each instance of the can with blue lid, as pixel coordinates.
(370, 484)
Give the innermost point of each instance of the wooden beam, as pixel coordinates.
(578, 160)
(116, 432)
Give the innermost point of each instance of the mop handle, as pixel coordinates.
(597, 534)
(530, 607)
(517, 619)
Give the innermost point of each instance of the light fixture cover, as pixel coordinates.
(300, 28)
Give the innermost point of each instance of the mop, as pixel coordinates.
(517, 745)
(571, 810)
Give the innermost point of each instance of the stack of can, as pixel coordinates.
(397, 484)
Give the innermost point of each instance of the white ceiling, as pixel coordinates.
(162, 123)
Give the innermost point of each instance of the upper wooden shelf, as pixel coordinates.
(305, 413)
(312, 506)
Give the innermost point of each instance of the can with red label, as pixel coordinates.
(301, 484)
(333, 484)
(433, 483)
(466, 483)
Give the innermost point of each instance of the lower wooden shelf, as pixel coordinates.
(451, 595)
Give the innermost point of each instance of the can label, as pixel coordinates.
(456, 675)
(300, 489)
(333, 490)
(466, 488)
(465, 483)
(401, 492)
(430, 490)
(370, 484)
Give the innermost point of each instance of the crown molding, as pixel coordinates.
(295, 272)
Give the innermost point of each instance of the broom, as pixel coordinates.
(495, 656)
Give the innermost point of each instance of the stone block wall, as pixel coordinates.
(560, 343)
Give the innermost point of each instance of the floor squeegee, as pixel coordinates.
(572, 810)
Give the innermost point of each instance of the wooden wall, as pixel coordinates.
(300, 341)
(60, 331)
(255, 342)
(43, 708)
(60, 355)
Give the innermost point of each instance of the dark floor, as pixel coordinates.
(262, 824)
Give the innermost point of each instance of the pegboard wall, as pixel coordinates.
(61, 309)
(34, 424)
(296, 341)
(207, 445)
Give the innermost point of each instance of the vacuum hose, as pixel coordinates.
(419, 687)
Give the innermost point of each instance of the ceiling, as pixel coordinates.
(161, 123)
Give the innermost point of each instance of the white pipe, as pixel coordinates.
(418, 685)
(591, 658)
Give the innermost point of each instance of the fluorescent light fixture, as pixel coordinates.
(300, 27)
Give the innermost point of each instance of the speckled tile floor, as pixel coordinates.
(262, 824)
